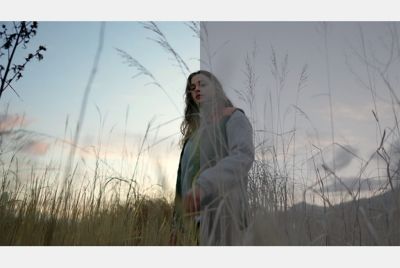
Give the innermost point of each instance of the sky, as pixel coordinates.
(120, 106)
(337, 77)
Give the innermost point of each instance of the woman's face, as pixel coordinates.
(201, 89)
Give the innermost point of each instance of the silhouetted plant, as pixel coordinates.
(13, 40)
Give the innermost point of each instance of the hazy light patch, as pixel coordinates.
(36, 148)
(354, 185)
(10, 121)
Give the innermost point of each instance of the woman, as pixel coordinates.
(217, 153)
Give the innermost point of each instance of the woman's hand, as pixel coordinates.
(191, 201)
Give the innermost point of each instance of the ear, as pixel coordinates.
(228, 111)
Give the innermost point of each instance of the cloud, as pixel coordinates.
(359, 111)
(344, 154)
(9, 122)
(17, 139)
(354, 184)
(394, 151)
(35, 147)
(368, 184)
(355, 112)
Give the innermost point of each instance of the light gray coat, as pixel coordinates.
(226, 155)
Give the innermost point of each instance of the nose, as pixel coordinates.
(197, 88)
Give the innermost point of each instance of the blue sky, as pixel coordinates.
(52, 89)
(56, 84)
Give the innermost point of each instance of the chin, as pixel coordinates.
(200, 101)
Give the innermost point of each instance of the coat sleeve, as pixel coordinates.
(231, 170)
(177, 209)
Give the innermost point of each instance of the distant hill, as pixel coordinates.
(365, 221)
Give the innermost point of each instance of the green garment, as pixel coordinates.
(189, 166)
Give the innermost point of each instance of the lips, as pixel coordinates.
(198, 96)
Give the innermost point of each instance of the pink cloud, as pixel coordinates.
(9, 122)
(36, 147)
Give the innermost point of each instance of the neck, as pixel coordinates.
(211, 111)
